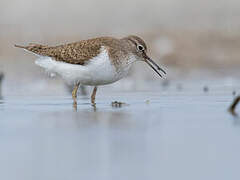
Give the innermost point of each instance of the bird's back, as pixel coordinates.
(74, 53)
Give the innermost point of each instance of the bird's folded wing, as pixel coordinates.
(73, 53)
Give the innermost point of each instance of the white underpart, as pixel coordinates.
(98, 71)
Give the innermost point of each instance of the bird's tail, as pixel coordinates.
(19, 46)
(37, 49)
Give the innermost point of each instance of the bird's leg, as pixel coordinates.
(93, 96)
(74, 95)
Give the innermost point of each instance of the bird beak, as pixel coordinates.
(151, 63)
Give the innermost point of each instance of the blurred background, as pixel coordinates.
(185, 36)
(177, 127)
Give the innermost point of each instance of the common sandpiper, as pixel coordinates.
(92, 62)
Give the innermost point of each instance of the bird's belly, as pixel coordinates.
(98, 71)
(100, 74)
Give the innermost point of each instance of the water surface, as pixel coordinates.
(158, 135)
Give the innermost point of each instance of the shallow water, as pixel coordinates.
(167, 135)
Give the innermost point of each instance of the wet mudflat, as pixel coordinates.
(155, 135)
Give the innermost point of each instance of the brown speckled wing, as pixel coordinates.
(82, 51)
(74, 53)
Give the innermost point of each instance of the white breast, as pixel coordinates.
(98, 71)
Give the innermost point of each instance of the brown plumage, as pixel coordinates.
(82, 51)
(121, 52)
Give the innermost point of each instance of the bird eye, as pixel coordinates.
(140, 48)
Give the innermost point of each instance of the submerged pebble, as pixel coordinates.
(234, 93)
(118, 104)
(205, 89)
(165, 83)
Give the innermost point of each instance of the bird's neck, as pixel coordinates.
(123, 64)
